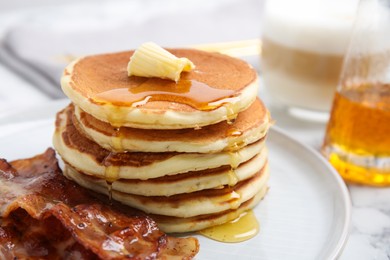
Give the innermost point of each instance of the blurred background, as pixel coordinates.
(38, 38)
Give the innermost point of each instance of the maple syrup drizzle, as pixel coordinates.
(234, 142)
(233, 156)
(193, 93)
(230, 112)
(232, 177)
(234, 199)
(190, 92)
(235, 159)
(233, 196)
(116, 139)
(240, 229)
(237, 145)
(111, 173)
(233, 132)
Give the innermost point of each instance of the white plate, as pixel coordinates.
(305, 214)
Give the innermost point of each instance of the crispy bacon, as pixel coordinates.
(43, 215)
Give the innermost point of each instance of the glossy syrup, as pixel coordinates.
(231, 107)
(233, 198)
(195, 94)
(246, 225)
(240, 229)
(233, 132)
(233, 146)
(234, 161)
(357, 142)
(116, 139)
(234, 141)
(190, 92)
(111, 173)
(232, 177)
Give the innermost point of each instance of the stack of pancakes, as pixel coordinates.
(192, 154)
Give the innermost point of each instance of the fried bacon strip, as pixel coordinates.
(43, 215)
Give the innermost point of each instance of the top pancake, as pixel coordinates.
(100, 86)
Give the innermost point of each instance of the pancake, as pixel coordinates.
(216, 90)
(90, 158)
(249, 126)
(180, 225)
(180, 183)
(189, 204)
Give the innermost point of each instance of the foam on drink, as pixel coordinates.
(303, 47)
(323, 29)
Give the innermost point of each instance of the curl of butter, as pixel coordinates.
(150, 60)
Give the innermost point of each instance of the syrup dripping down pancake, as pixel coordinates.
(188, 204)
(90, 158)
(249, 126)
(180, 183)
(179, 225)
(218, 89)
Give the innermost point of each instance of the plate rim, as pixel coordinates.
(337, 250)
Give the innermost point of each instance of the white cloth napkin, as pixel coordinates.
(39, 46)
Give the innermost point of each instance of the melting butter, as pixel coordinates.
(150, 60)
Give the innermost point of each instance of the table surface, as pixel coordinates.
(370, 230)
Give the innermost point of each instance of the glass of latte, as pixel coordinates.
(357, 140)
(303, 45)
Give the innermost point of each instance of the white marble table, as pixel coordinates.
(370, 230)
